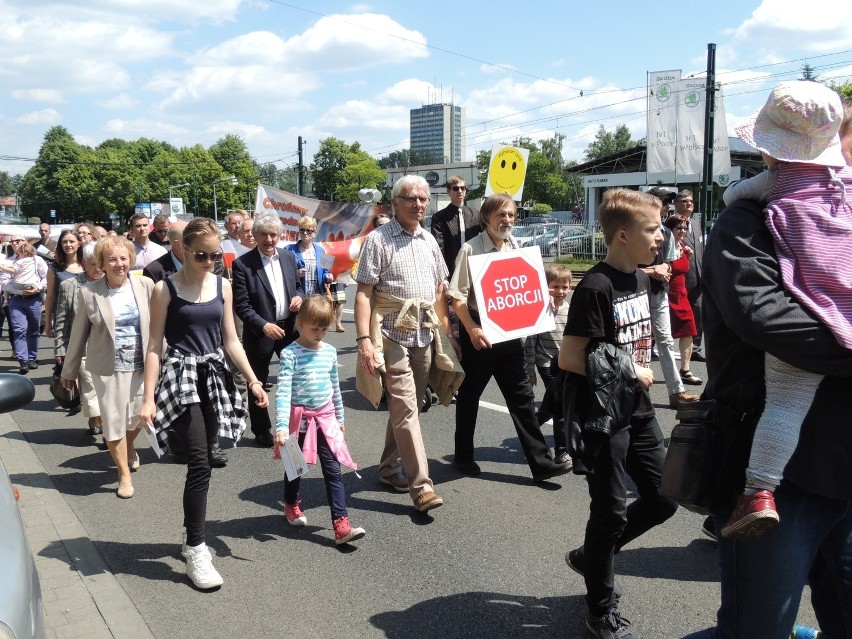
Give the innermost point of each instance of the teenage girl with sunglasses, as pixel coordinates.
(190, 389)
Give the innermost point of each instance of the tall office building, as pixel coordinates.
(438, 129)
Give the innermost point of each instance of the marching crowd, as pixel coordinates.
(175, 331)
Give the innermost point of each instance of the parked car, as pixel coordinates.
(21, 614)
(562, 240)
(530, 235)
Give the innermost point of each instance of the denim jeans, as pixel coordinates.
(763, 579)
(637, 450)
(334, 490)
(25, 320)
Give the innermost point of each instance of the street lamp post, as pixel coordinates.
(233, 180)
(176, 186)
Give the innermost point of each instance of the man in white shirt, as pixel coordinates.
(146, 250)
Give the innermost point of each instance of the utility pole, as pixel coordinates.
(709, 129)
(300, 177)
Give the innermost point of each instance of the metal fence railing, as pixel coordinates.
(559, 239)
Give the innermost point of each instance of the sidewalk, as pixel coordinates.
(81, 597)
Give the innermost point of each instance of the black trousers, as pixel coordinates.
(259, 362)
(197, 427)
(505, 363)
(637, 450)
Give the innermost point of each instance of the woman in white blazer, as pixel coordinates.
(111, 329)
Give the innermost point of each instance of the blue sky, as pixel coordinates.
(189, 71)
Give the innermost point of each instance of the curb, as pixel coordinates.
(81, 597)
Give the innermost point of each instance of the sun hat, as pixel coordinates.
(799, 123)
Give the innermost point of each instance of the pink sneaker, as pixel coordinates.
(294, 514)
(344, 532)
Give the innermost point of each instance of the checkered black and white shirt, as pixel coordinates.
(177, 389)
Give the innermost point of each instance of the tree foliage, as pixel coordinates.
(609, 142)
(340, 170)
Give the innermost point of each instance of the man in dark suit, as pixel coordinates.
(456, 223)
(171, 262)
(685, 206)
(267, 296)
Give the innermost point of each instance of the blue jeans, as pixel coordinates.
(560, 443)
(334, 491)
(25, 319)
(763, 579)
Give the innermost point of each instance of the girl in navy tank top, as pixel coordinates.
(190, 389)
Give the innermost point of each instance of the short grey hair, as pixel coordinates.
(89, 250)
(407, 182)
(247, 221)
(267, 222)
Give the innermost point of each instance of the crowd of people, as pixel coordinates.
(175, 332)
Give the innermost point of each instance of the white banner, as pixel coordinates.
(692, 93)
(175, 208)
(662, 124)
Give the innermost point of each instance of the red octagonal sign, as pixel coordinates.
(513, 297)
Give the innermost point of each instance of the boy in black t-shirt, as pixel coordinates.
(611, 304)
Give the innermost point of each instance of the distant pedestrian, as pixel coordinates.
(25, 281)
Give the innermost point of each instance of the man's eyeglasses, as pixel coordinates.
(201, 256)
(458, 187)
(307, 231)
(413, 199)
(87, 233)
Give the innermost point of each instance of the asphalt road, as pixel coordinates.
(489, 563)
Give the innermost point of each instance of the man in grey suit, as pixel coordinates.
(456, 223)
(685, 206)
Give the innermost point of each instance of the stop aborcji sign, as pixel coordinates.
(511, 293)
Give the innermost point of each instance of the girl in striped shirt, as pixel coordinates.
(809, 215)
(309, 406)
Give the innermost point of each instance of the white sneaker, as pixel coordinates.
(199, 568)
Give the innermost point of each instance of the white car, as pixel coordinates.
(21, 614)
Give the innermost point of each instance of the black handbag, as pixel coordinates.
(68, 399)
(704, 469)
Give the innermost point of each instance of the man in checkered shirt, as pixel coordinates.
(401, 265)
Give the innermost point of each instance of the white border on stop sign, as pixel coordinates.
(479, 263)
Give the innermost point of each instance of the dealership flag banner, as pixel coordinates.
(341, 226)
(662, 124)
(675, 132)
(692, 94)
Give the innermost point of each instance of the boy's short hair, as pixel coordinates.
(619, 207)
(558, 273)
(316, 310)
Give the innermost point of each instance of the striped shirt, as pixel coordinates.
(406, 265)
(308, 378)
(810, 217)
(540, 349)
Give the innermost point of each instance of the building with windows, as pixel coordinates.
(438, 130)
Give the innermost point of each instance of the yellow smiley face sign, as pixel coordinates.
(507, 171)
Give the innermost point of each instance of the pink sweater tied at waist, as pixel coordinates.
(325, 419)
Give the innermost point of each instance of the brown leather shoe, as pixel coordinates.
(676, 399)
(427, 501)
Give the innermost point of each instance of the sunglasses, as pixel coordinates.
(682, 228)
(201, 256)
(458, 188)
(307, 231)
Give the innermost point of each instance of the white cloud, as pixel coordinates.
(245, 130)
(819, 26)
(143, 127)
(496, 68)
(47, 117)
(38, 95)
(120, 101)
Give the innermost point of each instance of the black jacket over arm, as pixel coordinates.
(747, 312)
(160, 268)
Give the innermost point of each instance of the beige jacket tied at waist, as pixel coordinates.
(445, 374)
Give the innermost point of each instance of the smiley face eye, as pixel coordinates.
(514, 165)
(502, 164)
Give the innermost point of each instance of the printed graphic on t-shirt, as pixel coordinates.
(633, 326)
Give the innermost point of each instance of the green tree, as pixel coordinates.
(233, 156)
(808, 73)
(339, 170)
(403, 159)
(7, 185)
(606, 142)
(844, 89)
